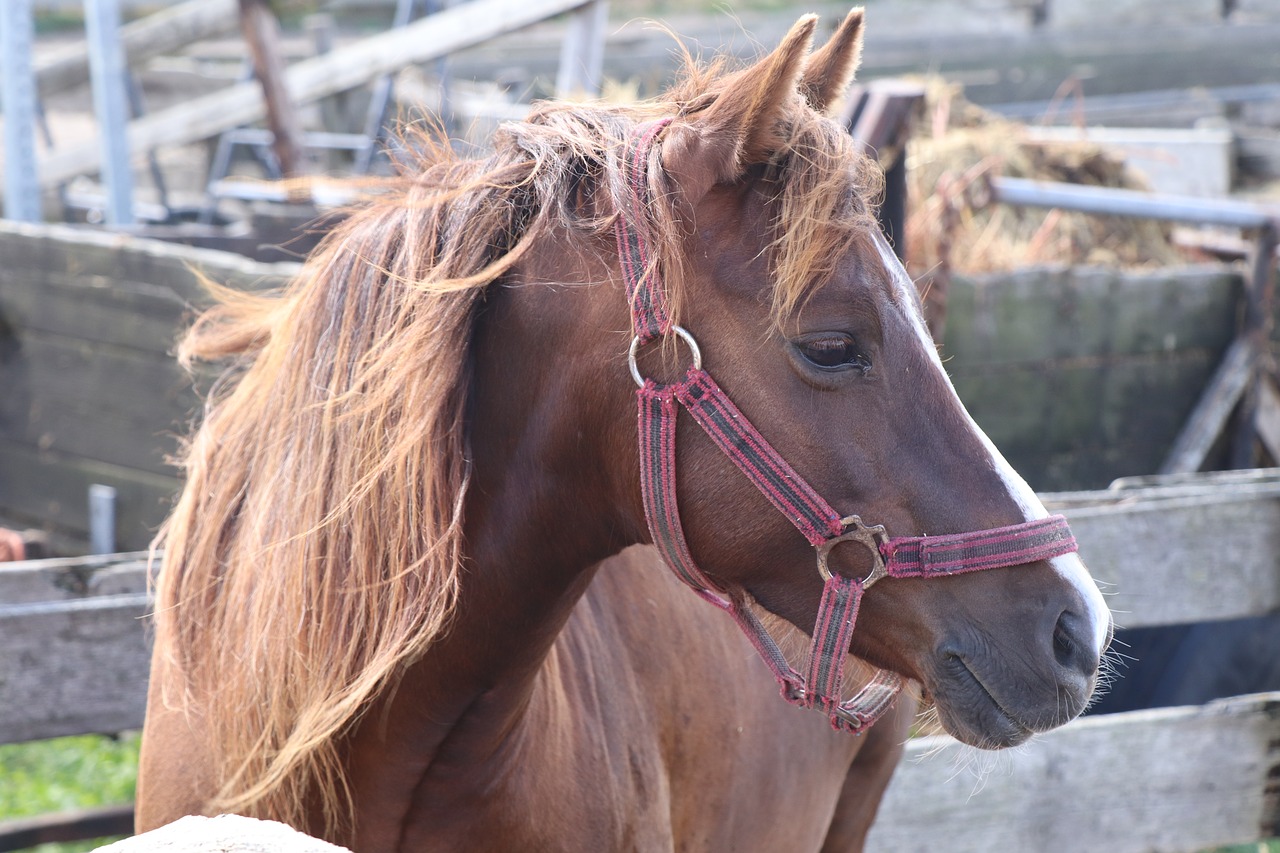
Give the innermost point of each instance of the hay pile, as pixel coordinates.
(952, 228)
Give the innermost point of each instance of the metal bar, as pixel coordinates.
(102, 519)
(107, 67)
(1105, 201)
(380, 97)
(21, 188)
(137, 109)
(312, 139)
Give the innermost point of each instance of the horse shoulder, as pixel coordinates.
(684, 722)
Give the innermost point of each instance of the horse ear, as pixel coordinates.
(831, 68)
(742, 126)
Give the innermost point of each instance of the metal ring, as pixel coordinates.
(680, 333)
(870, 537)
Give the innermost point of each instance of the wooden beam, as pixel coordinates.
(1211, 413)
(60, 827)
(156, 34)
(73, 667)
(1174, 779)
(345, 68)
(1167, 556)
(72, 578)
(261, 33)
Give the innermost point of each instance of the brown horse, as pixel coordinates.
(399, 608)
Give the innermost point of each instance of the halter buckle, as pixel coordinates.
(682, 334)
(872, 537)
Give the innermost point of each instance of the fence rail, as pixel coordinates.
(73, 659)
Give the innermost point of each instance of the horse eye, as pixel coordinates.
(834, 352)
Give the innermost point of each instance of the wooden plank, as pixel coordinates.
(1173, 780)
(154, 35)
(80, 251)
(1038, 315)
(345, 68)
(1210, 415)
(114, 405)
(93, 308)
(1081, 422)
(71, 578)
(1185, 558)
(79, 825)
(51, 488)
(72, 667)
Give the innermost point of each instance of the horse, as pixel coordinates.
(426, 586)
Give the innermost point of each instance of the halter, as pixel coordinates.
(822, 526)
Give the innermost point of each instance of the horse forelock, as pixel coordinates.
(315, 550)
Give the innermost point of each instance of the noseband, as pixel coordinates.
(822, 526)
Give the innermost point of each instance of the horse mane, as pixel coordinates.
(315, 550)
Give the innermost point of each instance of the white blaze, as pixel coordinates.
(1069, 566)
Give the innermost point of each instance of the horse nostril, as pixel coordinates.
(1069, 649)
(1063, 646)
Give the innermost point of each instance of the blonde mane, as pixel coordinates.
(315, 550)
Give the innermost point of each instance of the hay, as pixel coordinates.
(952, 228)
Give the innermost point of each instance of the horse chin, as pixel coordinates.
(970, 712)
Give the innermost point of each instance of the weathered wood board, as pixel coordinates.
(72, 578)
(1174, 780)
(91, 391)
(1172, 551)
(1083, 375)
(72, 667)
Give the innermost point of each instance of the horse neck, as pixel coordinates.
(553, 492)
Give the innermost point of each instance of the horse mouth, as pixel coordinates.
(970, 712)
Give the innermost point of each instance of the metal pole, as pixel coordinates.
(1106, 201)
(21, 186)
(102, 519)
(106, 71)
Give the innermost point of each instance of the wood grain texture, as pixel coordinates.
(1170, 780)
(72, 667)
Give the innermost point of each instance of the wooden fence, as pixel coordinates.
(1079, 376)
(73, 659)
(91, 391)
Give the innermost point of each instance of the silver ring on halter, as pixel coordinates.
(680, 333)
(871, 537)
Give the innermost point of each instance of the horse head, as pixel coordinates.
(754, 211)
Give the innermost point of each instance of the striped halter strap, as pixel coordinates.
(822, 526)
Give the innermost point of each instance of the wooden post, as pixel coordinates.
(262, 34)
(1258, 292)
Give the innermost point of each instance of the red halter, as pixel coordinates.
(902, 557)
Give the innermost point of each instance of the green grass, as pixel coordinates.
(64, 774)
